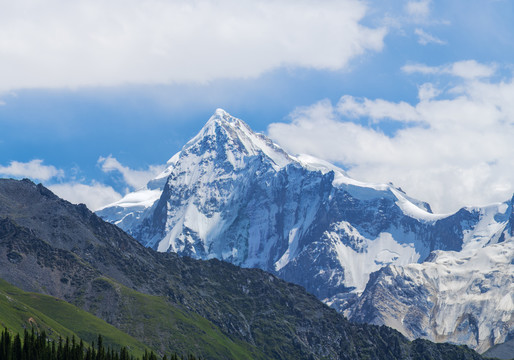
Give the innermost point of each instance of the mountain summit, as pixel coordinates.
(234, 195)
(231, 140)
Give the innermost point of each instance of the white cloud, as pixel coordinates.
(470, 69)
(425, 38)
(33, 169)
(376, 109)
(94, 196)
(418, 9)
(467, 69)
(59, 43)
(134, 178)
(456, 150)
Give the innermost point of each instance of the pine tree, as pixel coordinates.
(100, 354)
(17, 349)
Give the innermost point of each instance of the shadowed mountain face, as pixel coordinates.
(50, 246)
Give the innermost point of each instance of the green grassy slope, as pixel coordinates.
(21, 310)
(166, 328)
(158, 324)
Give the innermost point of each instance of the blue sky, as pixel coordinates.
(95, 97)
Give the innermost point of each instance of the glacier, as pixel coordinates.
(234, 195)
(459, 297)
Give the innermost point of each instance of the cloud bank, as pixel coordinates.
(58, 43)
(94, 194)
(453, 147)
(33, 169)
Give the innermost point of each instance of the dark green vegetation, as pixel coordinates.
(38, 347)
(173, 304)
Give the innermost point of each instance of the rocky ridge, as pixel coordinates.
(50, 246)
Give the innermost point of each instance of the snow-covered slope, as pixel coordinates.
(464, 297)
(234, 195)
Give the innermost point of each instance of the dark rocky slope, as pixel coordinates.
(50, 246)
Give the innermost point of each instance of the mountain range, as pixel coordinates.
(368, 250)
(167, 302)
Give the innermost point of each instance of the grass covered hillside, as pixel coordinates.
(20, 310)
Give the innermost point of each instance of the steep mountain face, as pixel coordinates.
(234, 195)
(215, 309)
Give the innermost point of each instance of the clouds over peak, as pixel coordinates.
(60, 43)
(452, 148)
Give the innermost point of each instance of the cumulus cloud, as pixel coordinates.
(94, 196)
(34, 169)
(455, 148)
(133, 178)
(467, 69)
(59, 43)
(425, 38)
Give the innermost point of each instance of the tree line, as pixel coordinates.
(37, 346)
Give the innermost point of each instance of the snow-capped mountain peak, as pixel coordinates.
(227, 164)
(229, 135)
(233, 194)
